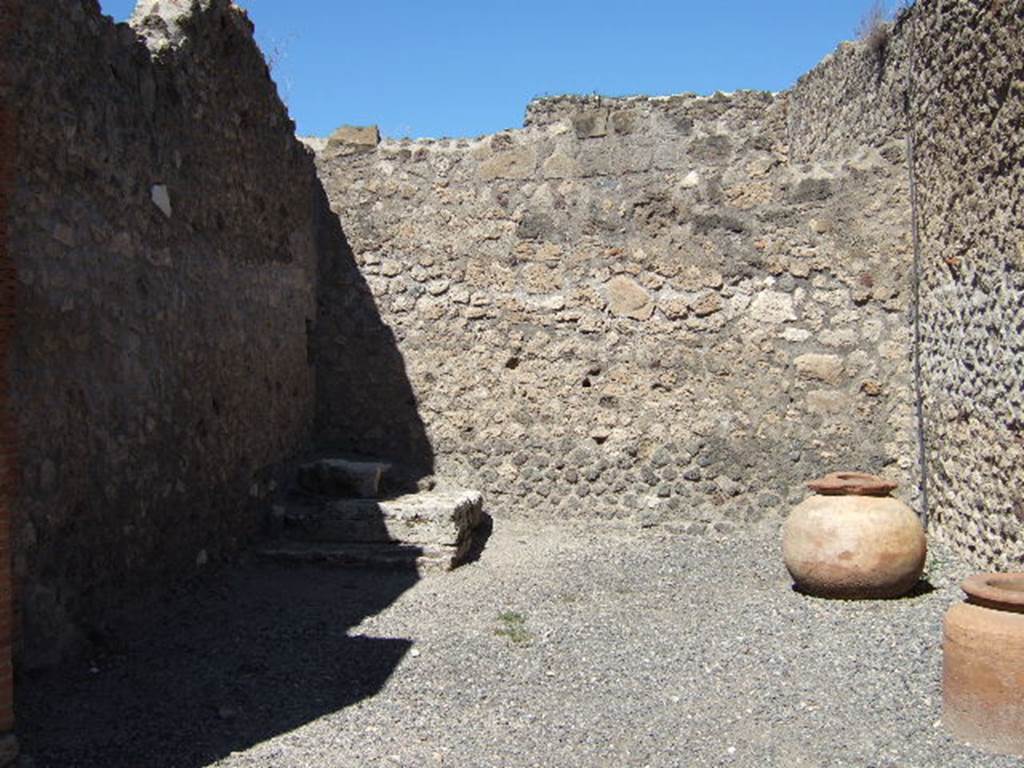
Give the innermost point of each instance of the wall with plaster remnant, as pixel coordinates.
(162, 228)
(642, 308)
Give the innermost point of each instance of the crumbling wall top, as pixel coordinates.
(547, 110)
(165, 23)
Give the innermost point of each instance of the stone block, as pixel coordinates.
(519, 162)
(827, 368)
(354, 138)
(627, 298)
(560, 166)
(442, 521)
(591, 124)
(340, 477)
(772, 307)
(707, 304)
(623, 122)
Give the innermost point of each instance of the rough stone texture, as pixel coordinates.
(435, 528)
(163, 231)
(441, 516)
(952, 73)
(602, 314)
(968, 112)
(663, 309)
(854, 98)
(8, 437)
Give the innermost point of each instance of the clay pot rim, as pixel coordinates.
(852, 483)
(997, 589)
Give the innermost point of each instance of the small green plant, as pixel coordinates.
(513, 627)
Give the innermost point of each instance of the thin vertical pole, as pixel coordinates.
(922, 443)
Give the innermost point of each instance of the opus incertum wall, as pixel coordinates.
(968, 113)
(950, 76)
(637, 308)
(163, 231)
(676, 309)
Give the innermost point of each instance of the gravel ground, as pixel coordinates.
(561, 646)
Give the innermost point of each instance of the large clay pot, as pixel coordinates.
(853, 540)
(983, 664)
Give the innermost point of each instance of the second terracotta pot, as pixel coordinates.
(983, 664)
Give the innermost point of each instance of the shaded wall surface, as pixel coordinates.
(162, 227)
(361, 381)
(637, 308)
(951, 74)
(8, 440)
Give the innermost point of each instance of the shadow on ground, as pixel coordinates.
(234, 658)
(480, 538)
(920, 589)
(229, 661)
(255, 651)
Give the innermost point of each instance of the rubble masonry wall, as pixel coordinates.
(643, 309)
(161, 224)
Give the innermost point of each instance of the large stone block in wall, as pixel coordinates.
(627, 298)
(349, 139)
(517, 163)
(591, 124)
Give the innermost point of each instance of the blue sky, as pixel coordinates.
(462, 69)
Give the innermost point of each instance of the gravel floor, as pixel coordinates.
(561, 646)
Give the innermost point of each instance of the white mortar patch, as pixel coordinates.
(161, 198)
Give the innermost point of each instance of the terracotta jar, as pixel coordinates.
(983, 664)
(853, 540)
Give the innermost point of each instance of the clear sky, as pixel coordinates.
(456, 68)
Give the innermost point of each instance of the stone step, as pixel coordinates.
(342, 477)
(391, 556)
(436, 518)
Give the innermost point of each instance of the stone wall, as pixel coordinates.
(669, 310)
(855, 98)
(951, 72)
(8, 745)
(636, 308)
(967, 117)
(162, 227)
